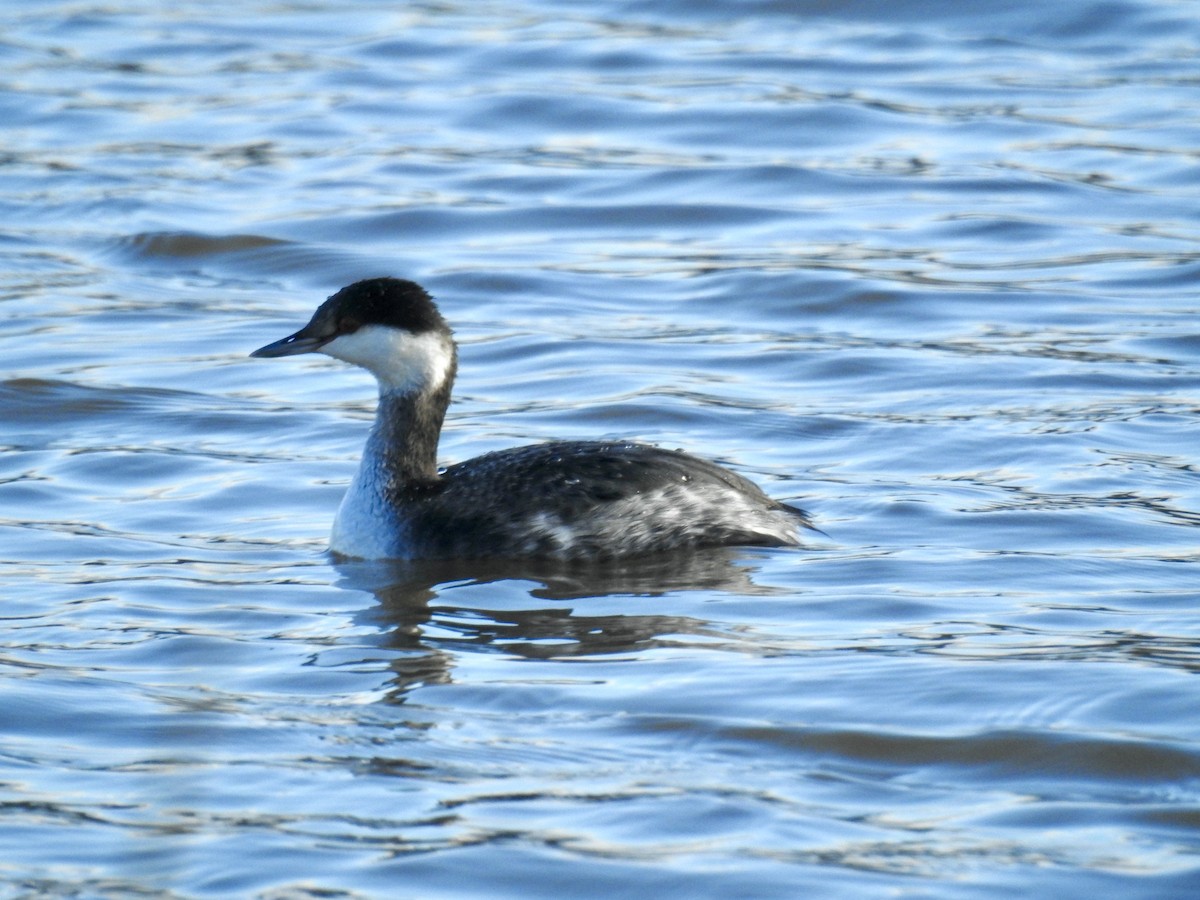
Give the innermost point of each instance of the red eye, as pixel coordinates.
(348, 326)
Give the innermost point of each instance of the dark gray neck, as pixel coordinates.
(403, 444)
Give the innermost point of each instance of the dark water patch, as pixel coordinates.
(38, 402)
(42, 401)
(249, 254)
(185, 245)
(1029, 757)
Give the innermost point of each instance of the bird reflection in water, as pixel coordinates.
(420, 610)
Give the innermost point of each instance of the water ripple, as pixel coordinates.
(928, 269)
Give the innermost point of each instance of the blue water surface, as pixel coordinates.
(929, 270)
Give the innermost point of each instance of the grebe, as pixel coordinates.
(567, 499)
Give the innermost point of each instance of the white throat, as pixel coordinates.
(400, 360)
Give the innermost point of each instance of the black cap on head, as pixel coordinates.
(383, 301)
(373, 301)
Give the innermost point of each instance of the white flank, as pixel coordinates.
(363, 526)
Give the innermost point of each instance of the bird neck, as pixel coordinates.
(402, 447)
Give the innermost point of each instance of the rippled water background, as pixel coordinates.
(930, 269)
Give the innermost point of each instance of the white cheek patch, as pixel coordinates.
(400, 360)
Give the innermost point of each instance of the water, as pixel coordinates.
(929, 271)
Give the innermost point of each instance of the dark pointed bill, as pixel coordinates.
(293, 344)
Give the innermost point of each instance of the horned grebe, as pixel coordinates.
(568, 499)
